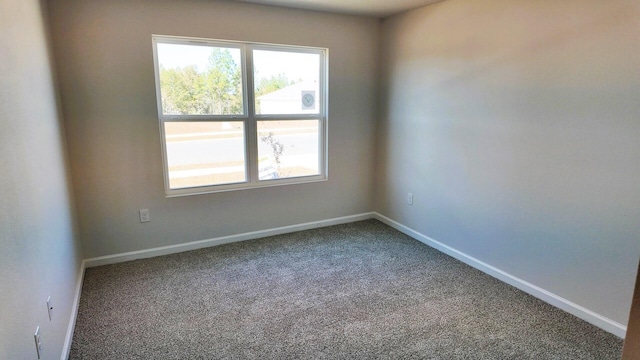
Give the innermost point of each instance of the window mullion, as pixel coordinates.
(251, 134)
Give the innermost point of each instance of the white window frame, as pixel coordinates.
(250, 118)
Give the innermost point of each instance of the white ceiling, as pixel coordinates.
(376, 8)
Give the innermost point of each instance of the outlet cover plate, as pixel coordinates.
(144, 215)
(50, 308)
(38, 340)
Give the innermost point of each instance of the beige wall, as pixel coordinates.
(515, 124)
(107, 83)
(39, 254)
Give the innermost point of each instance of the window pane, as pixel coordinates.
(286, 82)
(288, 148)
(205, 153)
(200, 80)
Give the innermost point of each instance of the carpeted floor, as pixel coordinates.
(354, 291)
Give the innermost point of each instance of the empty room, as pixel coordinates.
(334, 179)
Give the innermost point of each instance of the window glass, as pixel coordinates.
(288, 148)
(200, 80)
(286, 82)
(205, 153)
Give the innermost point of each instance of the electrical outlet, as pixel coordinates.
(38, 340)
(410, 198)
(144, 215)
(50, 308)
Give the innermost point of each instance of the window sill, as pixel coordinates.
(170, 193)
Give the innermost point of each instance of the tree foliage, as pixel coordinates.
(271, 84)
(216, 91)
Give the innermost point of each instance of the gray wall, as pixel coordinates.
(515, 124)
(104, 53)
(39, 254)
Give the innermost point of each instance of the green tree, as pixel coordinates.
(271, 84)
(217, 90)
(182, 90)
(223, 89)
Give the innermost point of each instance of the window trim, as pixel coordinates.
(249, 118)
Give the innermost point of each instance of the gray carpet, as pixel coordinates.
(354, 291)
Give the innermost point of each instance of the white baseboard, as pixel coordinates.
(74, 314)
(194, 245)
(542, 294)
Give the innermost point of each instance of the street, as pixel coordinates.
(226, 154)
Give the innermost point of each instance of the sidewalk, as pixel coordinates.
(309, 161)
(235, 133)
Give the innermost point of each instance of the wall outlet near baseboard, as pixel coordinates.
(50, 308)
(144, 215)
(38, 340)
(410, 198)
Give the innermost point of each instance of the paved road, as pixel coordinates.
(232, 149)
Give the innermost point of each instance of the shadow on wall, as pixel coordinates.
(471, 48)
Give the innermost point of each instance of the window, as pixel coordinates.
(239, 115)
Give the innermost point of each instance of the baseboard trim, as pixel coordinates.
(540, 293)
(194, 245)
(66, 349)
